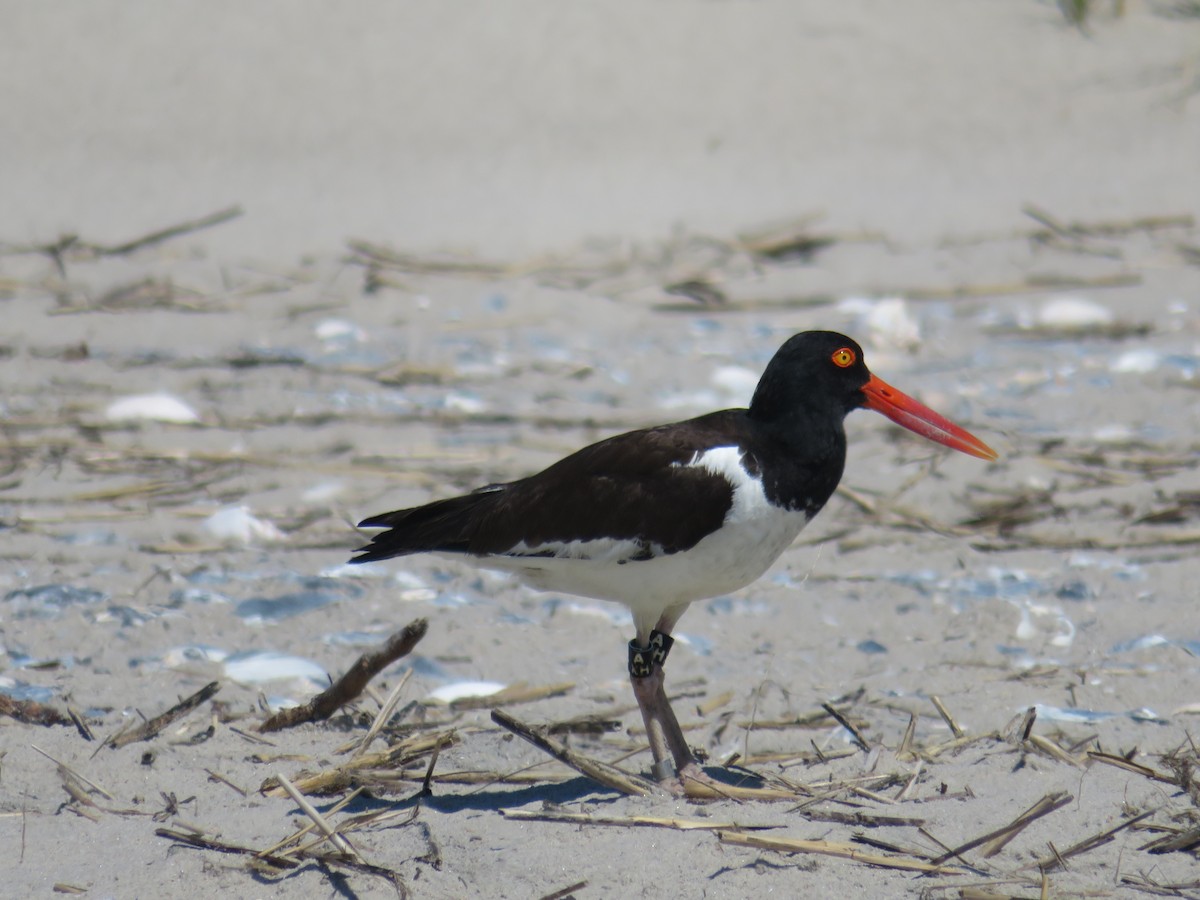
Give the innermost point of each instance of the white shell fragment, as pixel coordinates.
(1048, 622)
(889, 323)
(1073, 313)
(191, 654)
(261, 666)
(448, 693)
(151, 407)
(339, 331)
(323, 492)
(237, 525)
(458, 402)
(1138, 361)
(737, 383)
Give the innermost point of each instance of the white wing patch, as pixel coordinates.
(749, 498)
(611, 550)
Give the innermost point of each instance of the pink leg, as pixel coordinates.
(662, 728)
(659, 720)
(674, 764)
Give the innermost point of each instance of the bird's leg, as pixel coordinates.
(686, 765)
(646, 690)
(662, 728)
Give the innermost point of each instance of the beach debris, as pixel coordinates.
(158, 407)
(185, 655)
(265, 666)
(461, 690)
(269, 863)
(1068, 317)
(307, 808)
(46, 601)
(703, 291)
(66, 772)
(1072, 314)
(1138, 361)
(888, 322)
(353, 681)
(736, 384)
(785, 241)
(836, 848)
(565, 893)
(384, 716)
(672, 822)
(238, 525)
(950, 721)
(1058, 858)
(1032, 617)
(364, 638)
(289, 853)
(994, 841)
(180, 596)
(339, 331)
(850, 727)
(1154, 642)
(1104, 228)
(464, 403)
(1078, 716)
(603, 773)
(1120, 762)
(70, 247)
(150, 728)
(315, 593)
(30, 712)
(383, 770)
(480, 696)
(323, 492)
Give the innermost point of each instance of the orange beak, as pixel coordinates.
(904, 410)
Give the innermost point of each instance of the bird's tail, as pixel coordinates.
(444, 525)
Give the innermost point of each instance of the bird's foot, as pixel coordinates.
(690, 780)
(663, 772)
(699, 785)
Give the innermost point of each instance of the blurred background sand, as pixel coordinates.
(525, 126)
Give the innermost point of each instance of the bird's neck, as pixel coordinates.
(808, 453)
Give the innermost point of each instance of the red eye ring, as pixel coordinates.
(844, 357)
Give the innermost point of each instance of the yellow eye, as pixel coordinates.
(844, 357)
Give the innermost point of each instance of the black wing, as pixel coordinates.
(634, 486)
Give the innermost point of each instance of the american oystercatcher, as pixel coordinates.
(661, 517)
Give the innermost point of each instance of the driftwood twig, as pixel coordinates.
(150, 729)
(351, 684)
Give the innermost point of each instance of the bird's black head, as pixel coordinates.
(814, 372)
(817, 377)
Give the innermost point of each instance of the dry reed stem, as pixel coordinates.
(831, 848)
(309, 810)
(673, 822)
(605, 774)
(379, 767)
(1056, 859)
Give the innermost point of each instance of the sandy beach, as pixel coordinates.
(269, 269)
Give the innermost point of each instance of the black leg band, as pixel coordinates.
(643, 659)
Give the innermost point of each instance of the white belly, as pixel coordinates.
(751, 538)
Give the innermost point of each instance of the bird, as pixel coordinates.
(661, 517)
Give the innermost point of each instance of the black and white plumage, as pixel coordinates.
(658, 518)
